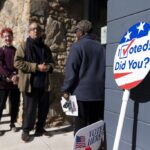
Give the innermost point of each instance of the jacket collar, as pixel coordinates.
(89, 36)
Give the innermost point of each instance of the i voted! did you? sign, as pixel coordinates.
(132, 58)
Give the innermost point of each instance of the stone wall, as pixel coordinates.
(56, 20)
(15, 15)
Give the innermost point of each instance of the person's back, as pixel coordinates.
(91, 72)
(85, 76)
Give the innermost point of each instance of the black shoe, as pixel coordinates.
(1, 133)
(25, 136)
(42, 132)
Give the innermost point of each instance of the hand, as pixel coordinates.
(42, 67)
(15, 79)
(66, 96)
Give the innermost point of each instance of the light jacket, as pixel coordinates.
(25, 69)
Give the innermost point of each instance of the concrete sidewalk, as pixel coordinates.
(61, 138)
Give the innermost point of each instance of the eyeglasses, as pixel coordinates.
(7, 36)
(36, 28)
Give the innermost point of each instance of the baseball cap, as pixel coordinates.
(84, 25)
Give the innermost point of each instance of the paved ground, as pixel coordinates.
(61, 138)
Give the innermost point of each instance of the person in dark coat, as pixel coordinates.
(8, 77)
(85, 76)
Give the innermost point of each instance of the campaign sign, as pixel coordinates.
(90, 137)
(132, 58)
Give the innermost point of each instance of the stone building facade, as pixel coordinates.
(56, 19)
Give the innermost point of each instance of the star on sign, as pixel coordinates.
(141, 27)
(127, 36)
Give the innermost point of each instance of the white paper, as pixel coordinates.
(71, 108)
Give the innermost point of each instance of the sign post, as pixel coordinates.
(125, 99)
(131, 65)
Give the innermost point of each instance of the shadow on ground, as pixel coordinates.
(62, 130)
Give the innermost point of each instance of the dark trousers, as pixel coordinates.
(14, 99)
(89, 112)
(37, 100)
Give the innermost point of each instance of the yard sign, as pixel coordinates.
(131, 65)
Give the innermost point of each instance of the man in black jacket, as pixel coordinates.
(85, 76)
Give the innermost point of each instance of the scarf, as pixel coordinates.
(35, 51)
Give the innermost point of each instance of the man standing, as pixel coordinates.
(85, 76)
(34, 61)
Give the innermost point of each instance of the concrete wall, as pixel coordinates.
(122, 14)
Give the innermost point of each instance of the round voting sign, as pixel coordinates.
(132, 58)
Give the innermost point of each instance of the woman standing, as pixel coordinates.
(8, 77)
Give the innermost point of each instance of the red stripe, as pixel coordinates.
(118, 75)
(130, 85)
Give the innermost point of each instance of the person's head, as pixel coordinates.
(83, 27)
(34, 29)
(7, 36)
